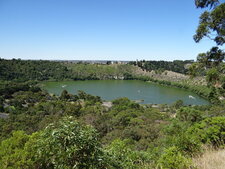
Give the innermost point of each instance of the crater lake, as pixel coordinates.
(147, 92)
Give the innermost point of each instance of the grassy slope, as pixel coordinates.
(100, 71)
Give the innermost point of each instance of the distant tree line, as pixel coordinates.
(178, 66)
(25, 70)
(21, 70)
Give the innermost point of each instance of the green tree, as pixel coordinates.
(13, 153)
(188, 114)
(123, 156)
(205, 3)
(173, 158)
(213, 76)
(64, 95)
(178, 104)
(210, 130)
(68, 144)
(212, 58)
(211, 25)
(193, 70)
(212, 22)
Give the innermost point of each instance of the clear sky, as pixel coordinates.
(99, 29)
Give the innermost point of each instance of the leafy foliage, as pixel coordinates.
(213, 76)
(206, 3)
(210, 130)
(13, 153)
(123, 156)
(19, 70)
(212, 21)
(176, 66)
(68, 144)
(211, 25)
(189, 114)
(172, 158)
(212, 58)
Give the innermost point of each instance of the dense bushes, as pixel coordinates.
(210, 131)
(176, 66)
(20, 70)
(189, 136)
(172, 158)
(68, 144)
(190, 115)
(124, 157)
(12, 153)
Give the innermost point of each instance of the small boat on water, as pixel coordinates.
(191, 97)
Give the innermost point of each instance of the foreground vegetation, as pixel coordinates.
(78, 131)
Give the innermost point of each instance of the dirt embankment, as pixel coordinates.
(171, 76)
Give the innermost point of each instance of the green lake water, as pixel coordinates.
(132, 89)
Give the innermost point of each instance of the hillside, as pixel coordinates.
(21, 70)
(128, 71)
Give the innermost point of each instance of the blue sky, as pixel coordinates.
(99, 29)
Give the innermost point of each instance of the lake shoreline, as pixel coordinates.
(141, 91)
(201, 90)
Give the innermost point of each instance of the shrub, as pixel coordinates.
(189, 114)
(68, 144)
(13, 153)
(188, 144)
(176, 136)
(210, 130)
(123, 156)
(178, 104)
(172, 158)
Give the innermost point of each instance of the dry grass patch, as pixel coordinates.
(211, 159)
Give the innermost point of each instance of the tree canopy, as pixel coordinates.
(211, 25)
(211, 22)
(205, 3)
